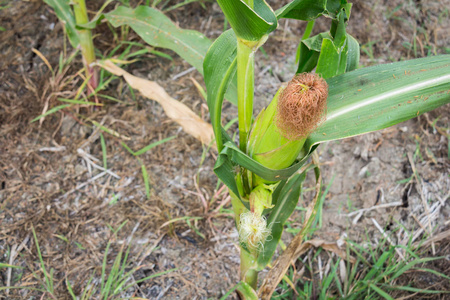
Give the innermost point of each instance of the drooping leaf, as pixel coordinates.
(310, 51)
(378, 97)
(249, 23)
(64, 13)
(306, 10)
(159, 31)
(332, 60)
(329, 51)
(175, 110)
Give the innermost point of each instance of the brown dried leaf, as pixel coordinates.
(178, 112)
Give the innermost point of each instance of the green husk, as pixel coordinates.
(268, 146)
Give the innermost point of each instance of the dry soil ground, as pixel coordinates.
(48, 179)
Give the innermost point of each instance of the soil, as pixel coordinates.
(49, 181)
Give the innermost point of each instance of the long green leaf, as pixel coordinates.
(306, 10)
(3, 265)
(159, 31)
(50, 111)
(374, 98)
(65, 15)
(219, 68)
(309, 10)
(249, 23)
(380, 292)
(287, 197)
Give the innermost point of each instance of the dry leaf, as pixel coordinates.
(175, 110)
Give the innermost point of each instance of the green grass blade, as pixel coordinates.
(378, 265)
(412, 264)
(70, 290)
(48, 278)
(104, 154)
(50, 111)
(415, 290)
(150, 277)
(2, 265)
(146, 182)
(228, 294)
(380, 292)
(152, 145)
(434, 272)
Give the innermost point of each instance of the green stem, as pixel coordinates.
(86, 43)
(248, 274)
(245, 89)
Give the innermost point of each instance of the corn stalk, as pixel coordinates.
(265, 183)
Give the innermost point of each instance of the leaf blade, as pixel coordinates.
(375, 98)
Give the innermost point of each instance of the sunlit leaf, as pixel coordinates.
(159, 31)
(377, 97)
(249, 23)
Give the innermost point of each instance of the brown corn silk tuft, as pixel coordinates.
(302, 106)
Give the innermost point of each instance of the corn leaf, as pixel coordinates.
(309, 10)
(65, 15)
(219, 68)
(352, 54)
(231, 156)
(374, 98)
(286, 195)
(331, 53)
(332, 60)
(310, 51)
(306, 10)
(159, 31)
(246, 291)
(249, 23)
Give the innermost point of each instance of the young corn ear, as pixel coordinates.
(279, 132)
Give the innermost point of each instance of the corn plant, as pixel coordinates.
(265, 170)
(78, 29)
(148, 22)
